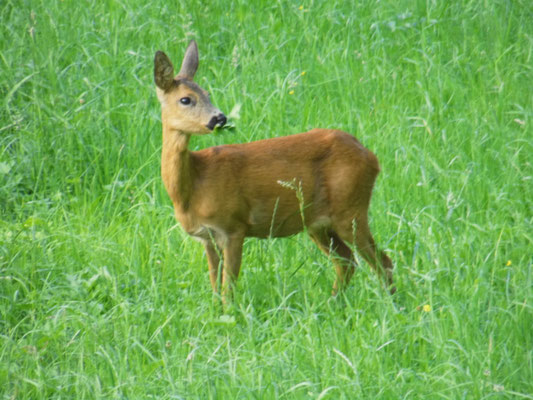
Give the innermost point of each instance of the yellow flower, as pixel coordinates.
(426, 308)
(291, 92)
(509, 263)
(301, 8)
(303, 73)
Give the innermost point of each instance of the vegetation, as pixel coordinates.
(102, 295)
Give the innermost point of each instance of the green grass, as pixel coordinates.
(102, 295)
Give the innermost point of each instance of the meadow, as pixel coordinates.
(102, 294)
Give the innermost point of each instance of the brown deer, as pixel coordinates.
(320, 180)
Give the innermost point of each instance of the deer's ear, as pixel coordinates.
(190, 61)
(163, 71)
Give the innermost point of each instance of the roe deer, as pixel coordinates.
(321, 180)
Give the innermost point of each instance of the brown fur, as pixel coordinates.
(321, 179)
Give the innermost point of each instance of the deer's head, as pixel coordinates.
(185, 106)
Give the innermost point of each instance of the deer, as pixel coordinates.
(320, 181)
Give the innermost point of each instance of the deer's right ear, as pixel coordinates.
(163, 71)
(190, 61)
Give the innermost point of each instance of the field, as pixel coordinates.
(102, 294)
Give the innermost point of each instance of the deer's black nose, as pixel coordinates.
(221, 120)
(218, 120)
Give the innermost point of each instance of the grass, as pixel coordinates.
(102, 295)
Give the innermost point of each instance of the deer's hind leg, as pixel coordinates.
(329, 242)
(366, 246)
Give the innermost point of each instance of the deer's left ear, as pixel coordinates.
(163, 71)
(190, 62)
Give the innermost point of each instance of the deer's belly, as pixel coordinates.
(204, 233)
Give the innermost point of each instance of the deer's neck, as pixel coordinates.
(176, 168)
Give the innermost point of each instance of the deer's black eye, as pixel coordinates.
(185, 100)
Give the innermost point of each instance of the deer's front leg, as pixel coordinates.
(212, 252)
(232, 266)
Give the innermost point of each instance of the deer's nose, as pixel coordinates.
(218, 120)
(221, 120)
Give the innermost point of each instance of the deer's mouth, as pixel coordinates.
(218, 120)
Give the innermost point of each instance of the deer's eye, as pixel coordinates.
(185, 100)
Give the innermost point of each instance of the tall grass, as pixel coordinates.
(102, 295)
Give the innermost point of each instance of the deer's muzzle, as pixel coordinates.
(218, 120)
